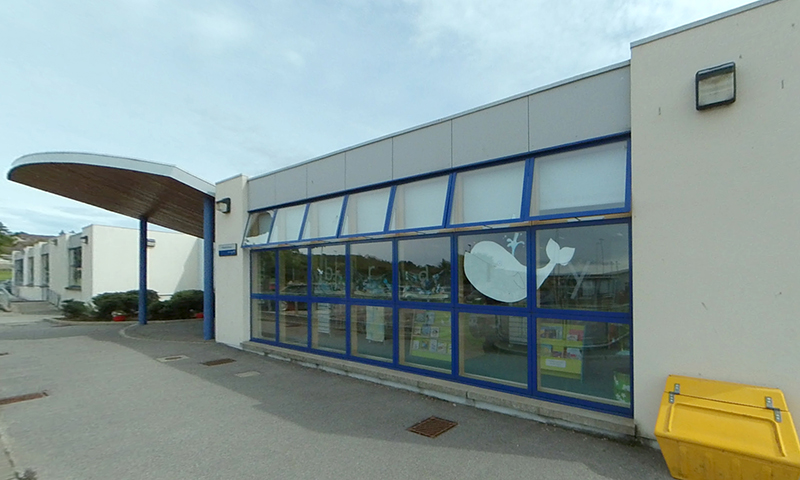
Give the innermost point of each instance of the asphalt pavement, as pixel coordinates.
(126, 401)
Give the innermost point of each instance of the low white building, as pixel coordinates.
(102, 259)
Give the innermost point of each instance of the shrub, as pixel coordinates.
(125, 302)
(183, 304)
(74, 309)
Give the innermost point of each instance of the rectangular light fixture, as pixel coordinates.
(224, 205)
(715, 86)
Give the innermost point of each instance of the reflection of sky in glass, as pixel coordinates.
(604, 246)
(425, 252)
(379, 250)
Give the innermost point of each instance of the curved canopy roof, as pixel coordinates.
(165, 194)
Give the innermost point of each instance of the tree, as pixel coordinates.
(6, 240)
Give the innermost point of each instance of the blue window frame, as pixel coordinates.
(534, 309)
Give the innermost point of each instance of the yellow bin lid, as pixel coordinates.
(727, 392)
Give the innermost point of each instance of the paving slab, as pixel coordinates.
(114, 410)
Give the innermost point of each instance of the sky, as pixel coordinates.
(220, 88)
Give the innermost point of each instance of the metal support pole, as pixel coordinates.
(142, 270)
(208, 268)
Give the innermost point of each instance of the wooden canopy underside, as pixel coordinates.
(162, 199)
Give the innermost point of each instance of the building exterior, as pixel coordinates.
(558, 253)
(102, 259)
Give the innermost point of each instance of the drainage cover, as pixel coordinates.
(22, 398)
(172, 358)
(3, 353)
(432, 427)
(221, 361)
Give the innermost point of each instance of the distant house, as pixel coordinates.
(99, 259)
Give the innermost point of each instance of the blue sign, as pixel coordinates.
(226, 250)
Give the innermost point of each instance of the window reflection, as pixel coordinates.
(424, 269)
(322, 219)
(263, 273)
(488, 194)
(293, 271)
(366, 212)
(371, 334)
(293, 323)
(584, 268)
(589, 360)
(492, 269)
(494, 348)
(419, 204)
(328, 330)
(328, 271)
(263, 319)
(371, 270)
(286, 227)
(258, 228)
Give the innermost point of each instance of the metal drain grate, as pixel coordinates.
(3, 353)
(221, 361)
(432, 427)
(22, 398)
(172, 358)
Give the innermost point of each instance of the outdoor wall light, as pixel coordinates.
(715, 86)
(224, 205)
(151, 242)
(85, 239)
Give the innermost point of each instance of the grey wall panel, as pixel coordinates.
(368, 164)
(290, 185)
(261, 192)
(326, 175)
(589, 108)
(491, 133)
(422, 151)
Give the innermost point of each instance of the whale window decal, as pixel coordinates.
(495, 272)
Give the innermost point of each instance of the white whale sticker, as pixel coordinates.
(496, 273)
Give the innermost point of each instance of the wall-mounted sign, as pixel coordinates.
(226, 250)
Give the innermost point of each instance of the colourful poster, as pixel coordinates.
(431, 336)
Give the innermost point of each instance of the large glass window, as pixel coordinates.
(75, 267)
(45, 270)
(371, 270)
(587, 360)
(492, 269)
(424, 269)
(323, 219)
(263, 272)
(286, 227)
(584, 268)
(293, 321)
(419, 204)
(328, 271)
(293, 274)
(31, 270)
(366, 212)
(263, 316)
(328, 330)
(19, 271)
(488, 194)
(426, 337)
(580, 180)
(258, 228)
(494, 348)
(371, 332)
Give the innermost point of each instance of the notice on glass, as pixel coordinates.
(431, 336)
(324, 318)
(376, 324)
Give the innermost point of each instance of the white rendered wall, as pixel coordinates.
(232, 274)
(715, 206)
(113, 258)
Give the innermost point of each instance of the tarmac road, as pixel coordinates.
(114, 411)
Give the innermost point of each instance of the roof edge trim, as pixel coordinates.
(109, 161)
